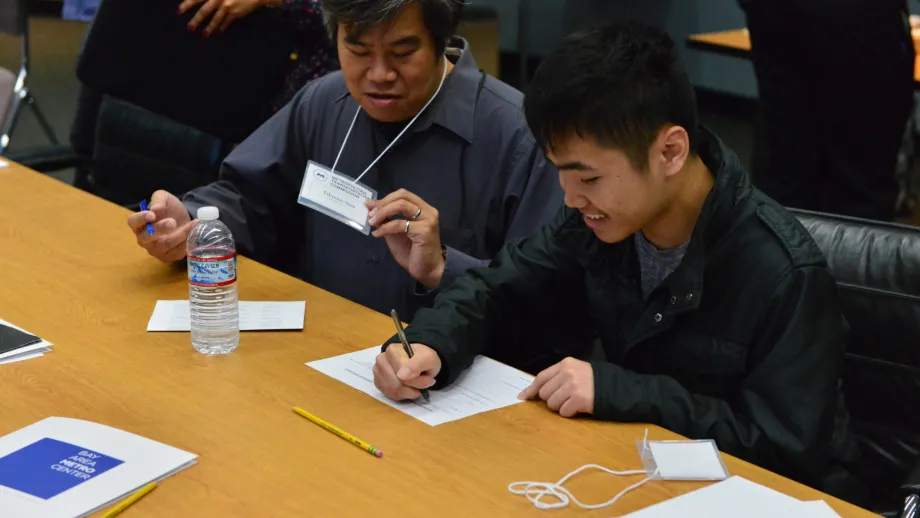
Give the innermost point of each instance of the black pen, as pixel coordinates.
(406, 347)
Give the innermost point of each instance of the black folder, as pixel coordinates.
(12, 339)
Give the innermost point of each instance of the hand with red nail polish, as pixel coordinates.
(219, 14)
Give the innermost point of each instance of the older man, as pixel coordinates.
(410, 115)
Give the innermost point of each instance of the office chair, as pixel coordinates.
(14, 89)
(877, 267)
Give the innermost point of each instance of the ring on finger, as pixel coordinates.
(407, 226)
(417, 214)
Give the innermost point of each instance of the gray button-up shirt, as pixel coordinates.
(470, 155)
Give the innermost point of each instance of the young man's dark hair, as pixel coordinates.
(713, 310)
(617, 84)
(440, 16)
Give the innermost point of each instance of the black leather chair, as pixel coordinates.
(877, 266)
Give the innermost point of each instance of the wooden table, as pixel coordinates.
(737, 43)
(71, 272)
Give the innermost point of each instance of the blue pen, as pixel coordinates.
(144, 208)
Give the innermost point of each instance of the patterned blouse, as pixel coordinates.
(315, 55)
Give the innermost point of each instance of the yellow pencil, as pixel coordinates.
(130, 500)
(343, 434)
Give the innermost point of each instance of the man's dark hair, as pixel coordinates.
(440, 16)
(618, 84)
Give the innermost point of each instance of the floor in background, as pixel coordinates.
(56, 43)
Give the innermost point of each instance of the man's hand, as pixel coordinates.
(418, 249)
(567, 387)
(400, 377)
(224, 12)
(171, 226)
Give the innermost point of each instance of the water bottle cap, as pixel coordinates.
(208, 213)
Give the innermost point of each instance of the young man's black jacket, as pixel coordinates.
(743, 343)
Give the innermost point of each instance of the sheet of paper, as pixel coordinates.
(25, 356)
(62, 468)
(24, 353)
(730, 498)
(486, 385)
(38, 347)
(819, 509)
(173, 315)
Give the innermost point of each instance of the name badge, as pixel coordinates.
(336, 195)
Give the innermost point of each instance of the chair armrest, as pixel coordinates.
(910, 489)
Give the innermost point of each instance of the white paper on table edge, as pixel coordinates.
(38, 347)
(24, 357)
(821, 509)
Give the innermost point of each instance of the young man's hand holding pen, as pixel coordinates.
(400, 377)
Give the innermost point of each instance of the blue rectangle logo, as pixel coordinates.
(49, 467)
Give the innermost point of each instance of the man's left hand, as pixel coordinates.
(415, 242)
(567, 387)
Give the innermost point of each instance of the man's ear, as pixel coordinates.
(674, 146)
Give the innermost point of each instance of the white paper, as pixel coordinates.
(819, 509)
(697, 460)
(3, 164)
(36, 347)
(486, 385)
(730, 498)
(28, 352)
(24, 356)
(144, 461)
(173, 315)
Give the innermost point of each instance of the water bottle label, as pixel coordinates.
(212, 272)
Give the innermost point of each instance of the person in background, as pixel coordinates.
(314, 56)
(835, 79)
(455, 180)
(716, 314)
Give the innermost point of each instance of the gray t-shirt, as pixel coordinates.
(656, 264)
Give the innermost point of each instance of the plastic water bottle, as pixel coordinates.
(211, 253)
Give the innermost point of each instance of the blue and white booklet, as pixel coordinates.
(67, 468)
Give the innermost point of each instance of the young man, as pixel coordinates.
(713, 307)
(459, 181)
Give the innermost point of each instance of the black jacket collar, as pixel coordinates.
(723, 207)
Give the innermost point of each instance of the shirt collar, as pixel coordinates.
(731, 186)
(455, 106)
